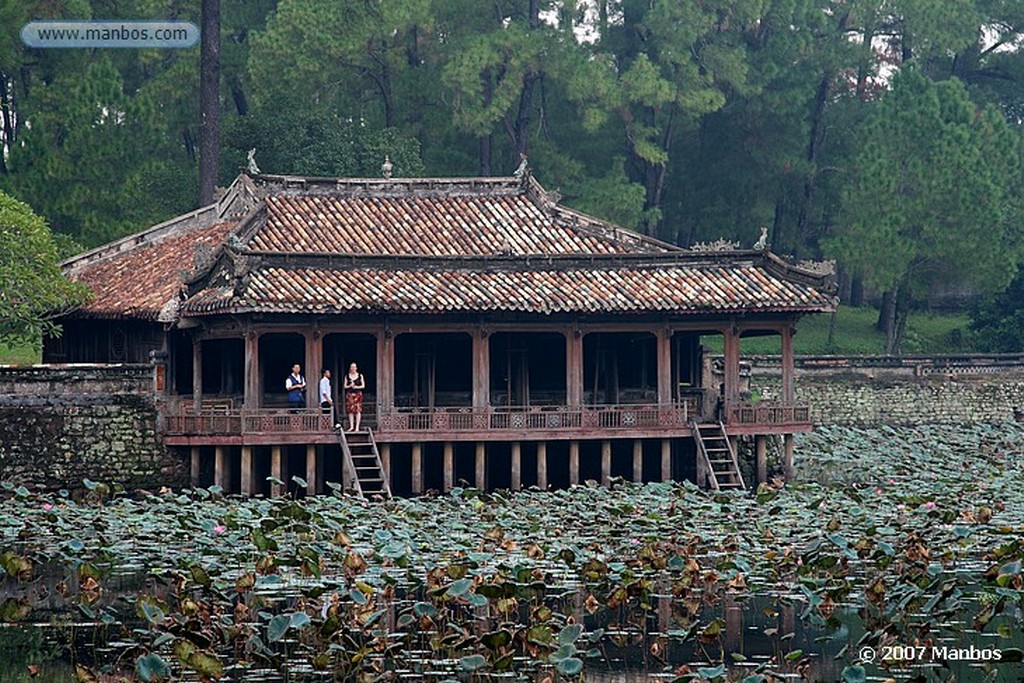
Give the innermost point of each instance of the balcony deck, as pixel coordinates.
(227, 425)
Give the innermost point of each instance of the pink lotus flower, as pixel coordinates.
(930, 505)
(47, 506)
(219, 529)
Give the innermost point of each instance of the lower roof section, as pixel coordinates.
(580, 288)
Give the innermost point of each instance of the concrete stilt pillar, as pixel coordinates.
(574, 463)
(385, 460)
(417, 469)
(606, 463)
(666, 460)
(480, 480)
(247, 472)
(761, 451)
(788, 444)
(220, 467)
(195, 466)
(312, 475)
(638, 460)
(276, 470)
(449, 466)
(542, 464)
(517, 465)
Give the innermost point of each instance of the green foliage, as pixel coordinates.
(930, 198)
(299, 143)
(89, 157)
(33, 291)
(998, 321)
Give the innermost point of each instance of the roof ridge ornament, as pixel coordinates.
(762, 242)
(524, 167)
(250, 162)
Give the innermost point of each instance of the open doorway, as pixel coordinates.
(527, 369)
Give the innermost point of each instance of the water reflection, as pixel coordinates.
(760, 633)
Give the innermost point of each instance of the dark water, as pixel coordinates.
(647, 646)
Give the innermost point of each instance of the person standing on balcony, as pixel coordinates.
(295, 385)
(354, 385)
(326, 402)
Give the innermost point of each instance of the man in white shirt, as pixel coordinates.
(326, 402)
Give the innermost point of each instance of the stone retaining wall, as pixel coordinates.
(908, 390)
(62, 424)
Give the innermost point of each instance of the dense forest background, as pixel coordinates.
(883, 134)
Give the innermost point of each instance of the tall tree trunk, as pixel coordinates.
(238, 96)
(485, 155)
(7, 116)
(856, 291)
(887, 317)
(209, 103)
(902, 313)
(813, 147)
(520, 133)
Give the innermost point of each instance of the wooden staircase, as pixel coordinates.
(362, 464)
(718, 456)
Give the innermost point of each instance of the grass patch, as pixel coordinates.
(20, 354)
(855, 334)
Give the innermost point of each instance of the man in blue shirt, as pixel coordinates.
(295, 385)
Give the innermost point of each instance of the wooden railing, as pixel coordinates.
(768, 413)
(632, 416)
(217, 422)
(596, 418)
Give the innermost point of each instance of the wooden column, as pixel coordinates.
(731, 359)
(314, 360)
(788, 367)
(276, 470)
(197, 374)
(385, 461)
(574, 367)
(788, 445)
(480, 480)
(666, 460)
(481, 368)
(517, 465)
(761, 451)
(417, 469)
(247, 472)
(542, 465)
(312, 477)
(385, 371)
(702, 470)
(606, 463)
(220, 467)
(574, 463)
(638, 460)
(664, 351)
(252, 371)
(195, 465)
(449, 466)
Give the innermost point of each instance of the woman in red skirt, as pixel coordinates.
(354, 385)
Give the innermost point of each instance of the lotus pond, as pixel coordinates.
(898, 557)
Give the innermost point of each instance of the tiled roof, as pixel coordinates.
(324, 245)
(138, 282)
(544, 289)
(425, 223)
